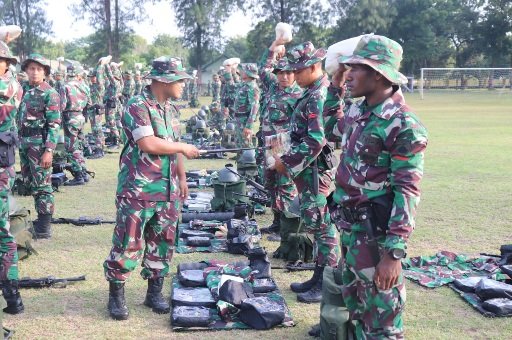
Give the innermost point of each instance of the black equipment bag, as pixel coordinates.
(262, 312)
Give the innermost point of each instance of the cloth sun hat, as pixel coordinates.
(303, 56)
(167, 70)
(281, 65)
(38, 58)
(380, 53)
(250, 69)
(5, 53)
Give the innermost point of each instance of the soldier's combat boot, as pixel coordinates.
(274, 227)
(12, 297)
(315, 331)
(77, 180)
(154, 297)
(314, 295)
(42, 227)
(85, 175)
(297, 287)
(116, 302)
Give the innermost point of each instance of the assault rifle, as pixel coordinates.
(228, 150)
(82, 221)
(260, 188)
(49, 281)
(257, 198)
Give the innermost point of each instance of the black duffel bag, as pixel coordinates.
(262, 312)
(491, 289)
(500, 307)
(186, 316)
(235, 292)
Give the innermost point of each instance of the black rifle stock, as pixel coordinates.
(82, 221)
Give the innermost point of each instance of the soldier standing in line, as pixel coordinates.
(40, 120)
(74, 100)
(129, 86)
(216, 84)
(280, 94)
(151, 183)
(247, 104)
(229, 89)
(377, 185)
(309, 163)
(10, 98)
(112, 103)
(138, 84)
(97, 108)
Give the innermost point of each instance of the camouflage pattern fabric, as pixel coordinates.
(10, 98)
(143, 176)
(245, 108)
(95, 115)
(128, 89)
(308, 127)
(40, 121)
(112, 95)
(229, 92)
(137, 89)
(216, 91)
(376, 314)
(276, 110)
(144, 229)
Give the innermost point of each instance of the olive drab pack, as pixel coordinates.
(296, 244)
(21, 225)
(225, 198)
(246, 164)
(334, 317)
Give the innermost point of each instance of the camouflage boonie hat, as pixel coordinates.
(167, 70)
(303, 56)
(214, 105)
(38, 58)
(250, 69)
(5, 53)
(380, 53)
(281, 65)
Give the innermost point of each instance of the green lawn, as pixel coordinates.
(466, 207)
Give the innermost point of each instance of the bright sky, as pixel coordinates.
(160, 19)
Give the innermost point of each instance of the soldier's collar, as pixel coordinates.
(390, 106)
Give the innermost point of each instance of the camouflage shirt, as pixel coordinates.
(113, 91)
(216, 91)
(247, 102)
(382, 153)
(128, 88)
(10, 98)
(276, 105)
(40, 109)
(75, 97)
(138, 87)
(98, 88)
(307, 128)
(229, 90)
(144, 176)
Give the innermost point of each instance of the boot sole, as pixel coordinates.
(298, 291)
(156, 310)
(119, 317)
(308, 302)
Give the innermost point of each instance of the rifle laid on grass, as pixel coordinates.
(49, 281)
(82, 221)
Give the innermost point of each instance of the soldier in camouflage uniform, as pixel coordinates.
(308, 164)
(10, 98)
(217, 120)
(39, 126)
(193, 91)
(216, 88)
(229, 90)
(113, 105)
(280, 94)
(138, 84)
(247, 103)
(129, 86)
(74, 100)
(97, 109)
(151, 182)
(377, 185)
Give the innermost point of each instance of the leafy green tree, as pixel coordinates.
(164, 44)
(238, 47)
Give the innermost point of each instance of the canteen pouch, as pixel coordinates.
(186, 316)
(8, 143)
(262, 312)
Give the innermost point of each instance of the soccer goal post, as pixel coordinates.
(465, 80)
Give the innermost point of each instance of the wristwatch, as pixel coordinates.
(397, 253)
(49, 149)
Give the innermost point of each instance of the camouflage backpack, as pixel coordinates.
(296, 245)
(20, 228)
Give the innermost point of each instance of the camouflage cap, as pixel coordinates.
(167, 69)
(250, 69)
(303, 56)
(380, 53)
(281, 65)
(5, 53)
(37, 58)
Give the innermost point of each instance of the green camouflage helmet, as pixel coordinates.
(37, 58)
(380, 53)
(281, 65)
(167, 69)
(303, 56)
(5, 53)
(250, 69)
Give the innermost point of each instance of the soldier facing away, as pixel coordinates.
(151, 183)
(377, 185)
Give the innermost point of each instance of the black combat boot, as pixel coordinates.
(274, 227)
(305, 286)
(12, 297)
(77, 180)
(315, 331)
(116, 302)
(85, 175)
(114, 144)
(314, 295)
(154, 297)
(42, 227)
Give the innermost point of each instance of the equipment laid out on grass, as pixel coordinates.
(49, 281)
(82, 221)
(485, 282)
(217, 295)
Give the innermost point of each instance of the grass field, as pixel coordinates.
(466, 207)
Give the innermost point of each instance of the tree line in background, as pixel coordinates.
(433, 33)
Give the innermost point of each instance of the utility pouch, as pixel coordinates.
(8, 143)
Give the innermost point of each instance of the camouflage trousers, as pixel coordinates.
(282, 187)
(144, 229)
(40, 179)
(8, 248)
(110, 118)
(377, 314)
(241, 141)
(73, 123)
(96, 128)
(316, 219)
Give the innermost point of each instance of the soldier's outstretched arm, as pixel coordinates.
(158, 146)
